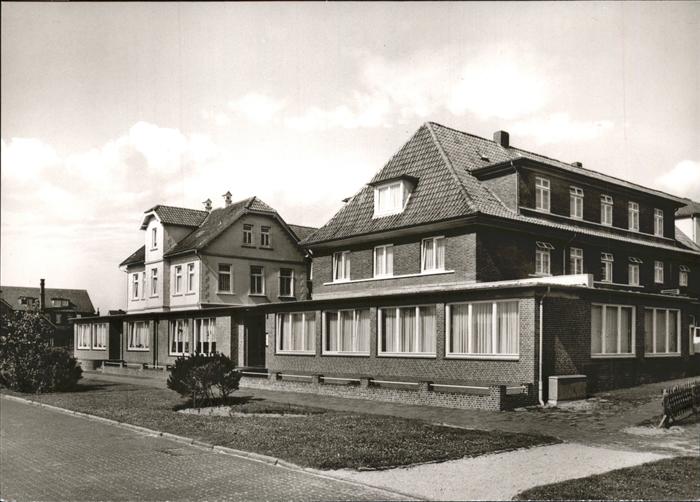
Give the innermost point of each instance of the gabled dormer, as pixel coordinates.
(391, 195)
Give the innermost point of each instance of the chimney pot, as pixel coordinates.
(207, 205)
(42, 294)
(577, 164)
(502, 138)
(227, 199)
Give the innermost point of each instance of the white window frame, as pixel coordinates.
(387, 258)
(470, 354)
(341, 263)
(435, 240)
(658, 222)
(607, 261)
(355, 341)
(99, 340)
(304, 335)
(230, 277)
(190, 278)
(154, 282)
(603, 326)
(247, 234)
(143, 285)
(633, 274)
(543, 250)
(402, 200)
(576, 203)
(542, 194)
(262, 281)
(606, 210)
(397, 331)
(83, 333)
(633, 216)
(683, 273)
(135, 286)
(154, 238)
(186, 340)
(576, 260)
(291, 283)
(654, 335)
(178, 280)
(197, 341)
(131, 332)
(265, 240)
(658, 272)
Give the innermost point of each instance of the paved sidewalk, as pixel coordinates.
(504, 475)
(48, 455)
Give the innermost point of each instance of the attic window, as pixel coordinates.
(544, 245)
(483, 156)
(59, 302)
(391, 198)
(635, 260)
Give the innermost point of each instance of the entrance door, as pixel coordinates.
(255, 341)
(115, 340)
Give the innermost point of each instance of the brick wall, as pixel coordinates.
(505, 187)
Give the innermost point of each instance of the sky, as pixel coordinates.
(109, 109)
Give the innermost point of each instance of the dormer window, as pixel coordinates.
(391, 197)
(154, 238)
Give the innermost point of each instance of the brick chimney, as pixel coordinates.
(42, 295)
(577, 164)
(227, 199)
(502, 138)
(207, 205)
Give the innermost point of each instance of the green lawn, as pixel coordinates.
(320, 439)
(669, 479)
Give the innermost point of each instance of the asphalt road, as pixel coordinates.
(48, 455)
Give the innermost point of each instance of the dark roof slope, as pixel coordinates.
(685, 240)
(216, 222)
(138, 256)
(442, 159)
(183, 216)
(79, 298)
(302, 231)
(691, 209)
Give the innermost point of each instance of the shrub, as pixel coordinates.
(27, 362)
(198, 376)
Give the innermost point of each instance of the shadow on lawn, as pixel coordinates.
(230, 401)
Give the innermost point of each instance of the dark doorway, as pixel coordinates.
(255, 341)
(115, 340)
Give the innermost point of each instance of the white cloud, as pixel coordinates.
(219, 118)
(559, 127)
(256, 107)
(683, 180)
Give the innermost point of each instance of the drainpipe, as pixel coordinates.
(539, 380)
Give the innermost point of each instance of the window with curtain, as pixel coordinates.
(484, 329)
(576, 202)
(190, 277)
(346, 331)
(433, 254)
(633, 216)
(384, 261)
(179, 337)
(341, 266)
(606, 210)
(576, 260)
(407, 330)
(542, 199)
(225, 283)
(205, 336)
(390, 198)
(137, 335)
(612, 330)
(178, 279)
(99, 336)
(658, 222)
(662, 332)
(296, 332)
(83, 335)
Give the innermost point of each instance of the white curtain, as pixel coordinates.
(389, 260)
(332, 331)
(345, 320)
(440, 258)
(625, 330)
(363, 330)
(459, 324)
(648, 331)
(660, 331)
(596, 329)
(610, 330)
(286, 329)
(428, 262)
(673, 331)
(310, 326)
(427, 329)
(388, 329)
(297, 327)
(482, 324)
(407, 330)
(507, 335)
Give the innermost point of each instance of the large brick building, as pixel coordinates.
(466, 273)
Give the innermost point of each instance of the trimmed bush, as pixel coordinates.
(27, 362)
(200, 376)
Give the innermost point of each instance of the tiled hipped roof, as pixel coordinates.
(442, 159)
(183, 216)
(691, 209)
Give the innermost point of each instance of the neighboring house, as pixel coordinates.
(688, 219)
(467, 272)
(58, 306)
(193, 265)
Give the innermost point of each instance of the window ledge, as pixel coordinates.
(177, 294)
(84, 348)
(137, 350)
(606, 283)
(269, 248)
(613, 356)
(484, 357)
(346, 354)
(383, 278)
(99, 348)
(225, 293)
(248, 246)
(261, 295)
(662, 354)
(418, 355)
(295, 353)
(539, 275)
(190, 293)
(287, 297)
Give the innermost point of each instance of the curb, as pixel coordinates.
(256, 457)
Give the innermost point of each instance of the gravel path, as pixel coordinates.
(501, 476)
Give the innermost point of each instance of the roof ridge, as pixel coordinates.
(450, 167)
(174, 207)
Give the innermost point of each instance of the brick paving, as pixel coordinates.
(48, 455)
